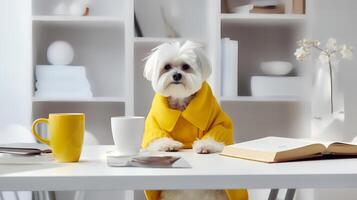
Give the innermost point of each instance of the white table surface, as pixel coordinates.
(207, 172)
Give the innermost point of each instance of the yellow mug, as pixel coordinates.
(66, 131)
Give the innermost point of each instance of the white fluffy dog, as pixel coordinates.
(179, 76)
(177, 72)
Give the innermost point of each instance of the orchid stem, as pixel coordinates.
(331, 83)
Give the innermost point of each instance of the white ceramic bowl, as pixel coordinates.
(276, 68)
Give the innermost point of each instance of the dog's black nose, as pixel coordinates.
(177, 76)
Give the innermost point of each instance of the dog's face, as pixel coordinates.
(177, 71)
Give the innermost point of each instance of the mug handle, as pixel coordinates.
(34, 131)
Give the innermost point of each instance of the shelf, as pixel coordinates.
(260, 99)
(254, 19)
(94, 99)
(77, 20)
(154, 40)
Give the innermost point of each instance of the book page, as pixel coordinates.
(342, 148)
(273, 144)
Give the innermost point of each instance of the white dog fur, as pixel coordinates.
(188, 60)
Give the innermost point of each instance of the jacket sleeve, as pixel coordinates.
(152, 131)
(221, 128)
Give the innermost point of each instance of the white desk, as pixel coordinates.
(208, 172)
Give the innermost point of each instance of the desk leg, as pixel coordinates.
(36, 195)
(273, 194)
(43, 195)
(290, 193)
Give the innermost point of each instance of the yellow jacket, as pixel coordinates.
(203, 118)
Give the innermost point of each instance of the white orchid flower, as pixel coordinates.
(346, 52)
(331, 44)
(327, 56)
(301, 53)
(308, 43)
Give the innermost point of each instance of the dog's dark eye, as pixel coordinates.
(167, 67)
(185, 67)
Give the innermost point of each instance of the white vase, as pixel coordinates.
(326, 125)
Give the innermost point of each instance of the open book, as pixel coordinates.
(279, 149)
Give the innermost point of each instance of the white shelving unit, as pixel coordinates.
(263, 37)
(104, 42)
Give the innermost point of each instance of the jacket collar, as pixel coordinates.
(197, 112)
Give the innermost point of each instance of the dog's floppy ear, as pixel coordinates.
(204, 63)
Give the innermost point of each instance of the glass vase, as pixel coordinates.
(327, 123)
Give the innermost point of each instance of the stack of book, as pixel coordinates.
(229, 64)
(271, 7)
(54, 81)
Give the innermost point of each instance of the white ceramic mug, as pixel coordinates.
(127, 134)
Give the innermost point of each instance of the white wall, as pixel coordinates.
(331, 18)
(15, 63)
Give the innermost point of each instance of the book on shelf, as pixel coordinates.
(299, 6)
(229, 64)
(279, 9)
(280, 149)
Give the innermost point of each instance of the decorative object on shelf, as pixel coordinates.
(170, 31)
(60, 9)
(245, 9)
(265, 3)
(60, 80)
(327, 102)
(60, 53)
(86, 12)
(229, 64)
(75, 8)
(276, 68)
(79, 8)
(272, 86)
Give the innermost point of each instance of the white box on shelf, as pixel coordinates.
(229, 64)
(276, 86)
